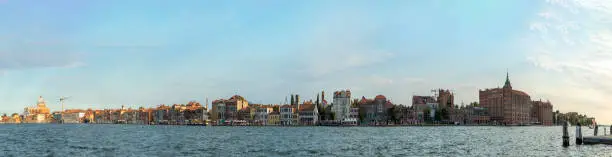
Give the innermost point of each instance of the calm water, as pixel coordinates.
(136, 140)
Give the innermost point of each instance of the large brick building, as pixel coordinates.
(446, 99)
(542, 112)
(505, 105)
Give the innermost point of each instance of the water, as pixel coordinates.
(142, 140)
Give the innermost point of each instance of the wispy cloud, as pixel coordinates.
(28, 60)
(574, 37)
(341, 40)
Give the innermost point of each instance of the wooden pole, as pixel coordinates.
(578, 134)
(565, 135)
(595, 130)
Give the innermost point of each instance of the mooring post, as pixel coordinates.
(595, 130)
(565, 135)
(578, 134)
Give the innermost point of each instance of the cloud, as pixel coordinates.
(340, 41)
(574, 38)
(28, 60)
(18, 53)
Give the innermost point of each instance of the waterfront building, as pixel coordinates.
(542, 112)
(410, 116)
(101, 116)
(419, 103)
(505, 105)
(420, 106)
(161, 115)
(274, 118)
(38, 114)
(15, 119)
(476, 115)
(194, 113)
(457, 115)
(73, 116)
(308, 114)
(226, 110)
(262, 114)
(354, 114)
(342, 104)
(287, 115)
(374, 111)
(446, 99)
(244, 115)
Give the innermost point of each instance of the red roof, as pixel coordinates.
(380, 97)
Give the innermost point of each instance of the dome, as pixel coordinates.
(237, 97)
(380, 97)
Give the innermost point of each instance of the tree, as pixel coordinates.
(444, 114)
(438, 116)
(332, 116)
(391, 115)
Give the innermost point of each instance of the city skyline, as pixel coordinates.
(156, 52)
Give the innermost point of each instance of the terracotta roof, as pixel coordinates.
(307, 107)
(380, 97)
(237, 97)
(365, 101)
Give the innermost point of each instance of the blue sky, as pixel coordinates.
(111, 53)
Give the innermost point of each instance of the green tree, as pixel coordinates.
(391, 115)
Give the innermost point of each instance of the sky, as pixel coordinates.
(105, 54)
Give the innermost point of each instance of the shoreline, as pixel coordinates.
(382, 126)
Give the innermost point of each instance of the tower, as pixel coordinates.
(292, 99)
(507, 105)
(507, 84)
(322, 95)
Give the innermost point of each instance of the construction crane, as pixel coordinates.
(62, 100)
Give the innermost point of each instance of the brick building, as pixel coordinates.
(505, 105)
(542, 112)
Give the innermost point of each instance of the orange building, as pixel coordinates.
(505, 105)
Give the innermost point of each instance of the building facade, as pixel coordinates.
(223, 110)
(505, 105)
(374, 111)
(38, 114)
(542, 112)
(342, 104)
(308, 114)
(446, 99)
(287, 113)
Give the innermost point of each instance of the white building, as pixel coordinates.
(342, 104)
(433, 107)
(261, 114)
(74, 117)
(286, 115)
